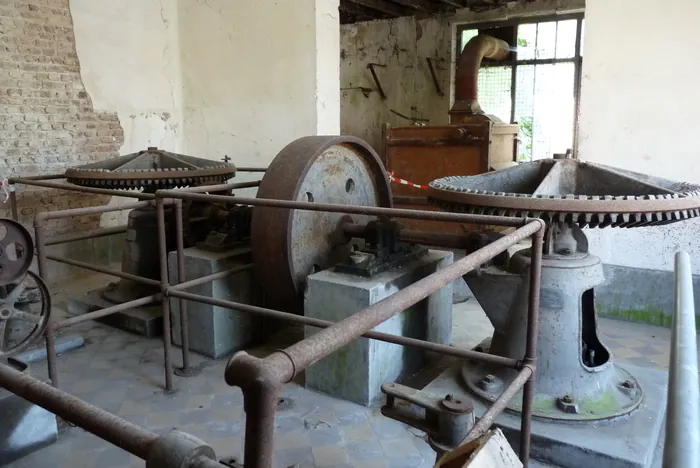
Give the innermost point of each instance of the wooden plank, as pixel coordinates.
(384, 6)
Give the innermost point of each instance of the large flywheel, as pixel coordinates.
(288, 245)
(25, 303)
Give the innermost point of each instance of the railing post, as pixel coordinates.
(682, 446)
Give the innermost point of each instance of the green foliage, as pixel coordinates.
(526, 126)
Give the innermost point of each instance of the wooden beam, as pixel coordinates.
(420, 5)
(454, 3)
(384, 6)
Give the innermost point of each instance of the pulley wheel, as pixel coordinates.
(25, 309)
(289, 245)
(16, 251)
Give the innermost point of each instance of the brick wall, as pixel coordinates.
(47, 121)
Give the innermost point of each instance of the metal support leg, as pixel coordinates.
(186, 370)
(531, 344)
(163, 249)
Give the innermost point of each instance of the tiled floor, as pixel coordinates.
(122, 373)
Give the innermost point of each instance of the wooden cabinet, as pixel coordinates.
(423, 154)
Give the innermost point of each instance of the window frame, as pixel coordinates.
(577, 59)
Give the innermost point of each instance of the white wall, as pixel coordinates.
(639, 111)
(257, 74)
(130, 63)
(402, 46)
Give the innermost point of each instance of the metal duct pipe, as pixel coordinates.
(682, 446)
(467, 74)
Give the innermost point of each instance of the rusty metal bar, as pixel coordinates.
(311, 350)
(13, 202)
(23, 179)
(486, 421)
(220, 187)
(262, 379)
(530, 358)
(423, 215)
(181, 277)
(88, 210)
(49, 334)
(251, 169)
(101, 232)
(79, 188)
(106, 311)
(104, 425)
(175, 291)
(106, 271)
(449, 241)
(209, 278)
(165, 304)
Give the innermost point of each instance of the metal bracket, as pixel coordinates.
(436, 82)
(365, 91)
(380, 90)
(446, 420)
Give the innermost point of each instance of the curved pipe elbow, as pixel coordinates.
(468, 64)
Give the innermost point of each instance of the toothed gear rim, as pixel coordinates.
(570, 192)
(151, 169)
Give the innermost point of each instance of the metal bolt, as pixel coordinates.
(489, 378)
(628, 384)
(567, 399)
(567, 404)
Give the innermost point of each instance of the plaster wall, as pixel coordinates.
(130, 64)
(401, 46)
(257, 74)
(638, 111)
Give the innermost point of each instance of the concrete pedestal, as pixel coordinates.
(357, 371)
(214, 331)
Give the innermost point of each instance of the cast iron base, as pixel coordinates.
(144, 321)
(626, 442)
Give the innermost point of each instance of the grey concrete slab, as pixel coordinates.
(215, 331)
(357, 372)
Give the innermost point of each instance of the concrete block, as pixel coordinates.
(214, 331)
(357, 371)
(25, 427)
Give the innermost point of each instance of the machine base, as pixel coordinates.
(144, 321)
(626, 442)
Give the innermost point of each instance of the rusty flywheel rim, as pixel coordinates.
(287, 244)
(570, 191)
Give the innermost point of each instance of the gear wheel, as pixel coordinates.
(151, 169)
(571, 192)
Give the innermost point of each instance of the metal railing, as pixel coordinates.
(682, 446)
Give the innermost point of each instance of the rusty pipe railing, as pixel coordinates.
(172, 449)
(467, 72)
(682, 445)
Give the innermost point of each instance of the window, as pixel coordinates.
(538, 86)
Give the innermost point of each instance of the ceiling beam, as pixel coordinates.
(454, 3)
(420, 5)
(384, 6)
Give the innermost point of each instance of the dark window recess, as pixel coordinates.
(538, 85)
(594, 353)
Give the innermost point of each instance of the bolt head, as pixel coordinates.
(628, 384)
(489, 378)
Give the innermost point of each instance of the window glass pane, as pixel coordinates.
(494, 91)
(566, 39)
(583, 30)
(546, 40)
(467, 34)
(544, 108)
(527, 39)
